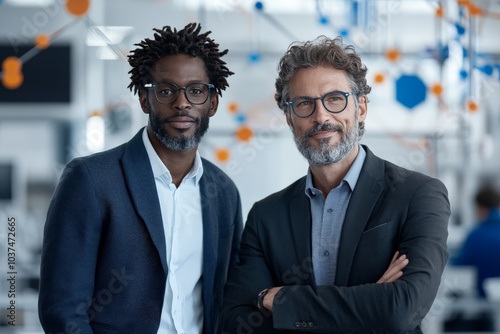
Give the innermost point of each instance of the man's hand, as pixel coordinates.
(269, 298)
(395, 269)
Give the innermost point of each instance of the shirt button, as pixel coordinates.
(326, 253)
(329, 210)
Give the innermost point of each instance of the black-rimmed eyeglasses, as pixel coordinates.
(334, 102)
(196, 93)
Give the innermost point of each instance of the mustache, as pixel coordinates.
(328, 127)
(180, 114)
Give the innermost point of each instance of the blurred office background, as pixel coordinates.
(434, 67)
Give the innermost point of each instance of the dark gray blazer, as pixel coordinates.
(391, 209)
(104, 254)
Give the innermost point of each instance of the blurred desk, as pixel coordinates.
(472, 315)
(457, 295)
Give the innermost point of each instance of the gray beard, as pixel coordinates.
(325, 154)
(181, 143)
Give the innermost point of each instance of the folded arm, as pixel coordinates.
(392, 273)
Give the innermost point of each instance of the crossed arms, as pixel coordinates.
(274, 252)
(392, 273)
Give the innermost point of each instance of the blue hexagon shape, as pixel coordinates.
(410, 91)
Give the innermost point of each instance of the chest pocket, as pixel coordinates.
(375, 234)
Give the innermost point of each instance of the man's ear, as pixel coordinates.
(214, 104)
(289, 119)
(363, 108)
(143, 100)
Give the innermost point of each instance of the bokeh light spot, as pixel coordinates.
(42, 41)
(323, 20)
(244, 133)
(12, 64)
(472, 106)
(440, 12)
(222, 154)
(240, 118)
(344, 33)
(233, 107)
(254, 57)
(393, 54)
(463, 74)
(437, 89)
(77, 7)
(379, 78)
(12, 80)
(475, 10)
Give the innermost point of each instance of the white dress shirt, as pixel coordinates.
(182, 311)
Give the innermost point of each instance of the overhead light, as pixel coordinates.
(275, 6)
(106, 35)
(29, 3)
(106, 53)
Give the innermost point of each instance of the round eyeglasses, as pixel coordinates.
(196, 93)
(334, 102)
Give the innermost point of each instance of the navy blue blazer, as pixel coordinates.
(104, 264)
(391, 209)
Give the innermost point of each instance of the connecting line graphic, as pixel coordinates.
(260, 9)
(39, 47)
(52, 37)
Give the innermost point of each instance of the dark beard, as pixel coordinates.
(182, 142)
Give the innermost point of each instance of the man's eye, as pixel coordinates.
(302, 104)
(335, 98)
(195, 91)
(166, 92)
(332, 99)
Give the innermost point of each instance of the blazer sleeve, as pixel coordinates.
(69, 254)
(388, 307)
(250, 275)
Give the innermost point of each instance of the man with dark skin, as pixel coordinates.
(139, 238)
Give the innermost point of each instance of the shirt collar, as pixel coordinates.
(159, 168)
(351, 177)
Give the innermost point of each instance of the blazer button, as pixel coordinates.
(303, 324)
(297, 324)
(310, 324)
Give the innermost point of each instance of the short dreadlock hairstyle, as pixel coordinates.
(167, 42)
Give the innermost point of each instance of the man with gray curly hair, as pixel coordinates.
(358, 244)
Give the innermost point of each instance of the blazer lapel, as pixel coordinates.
(209, 199)
(363, 199)
(209, 203)
(140, 179)
(300, 225)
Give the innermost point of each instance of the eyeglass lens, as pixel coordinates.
(333, 102)
(196, 93)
